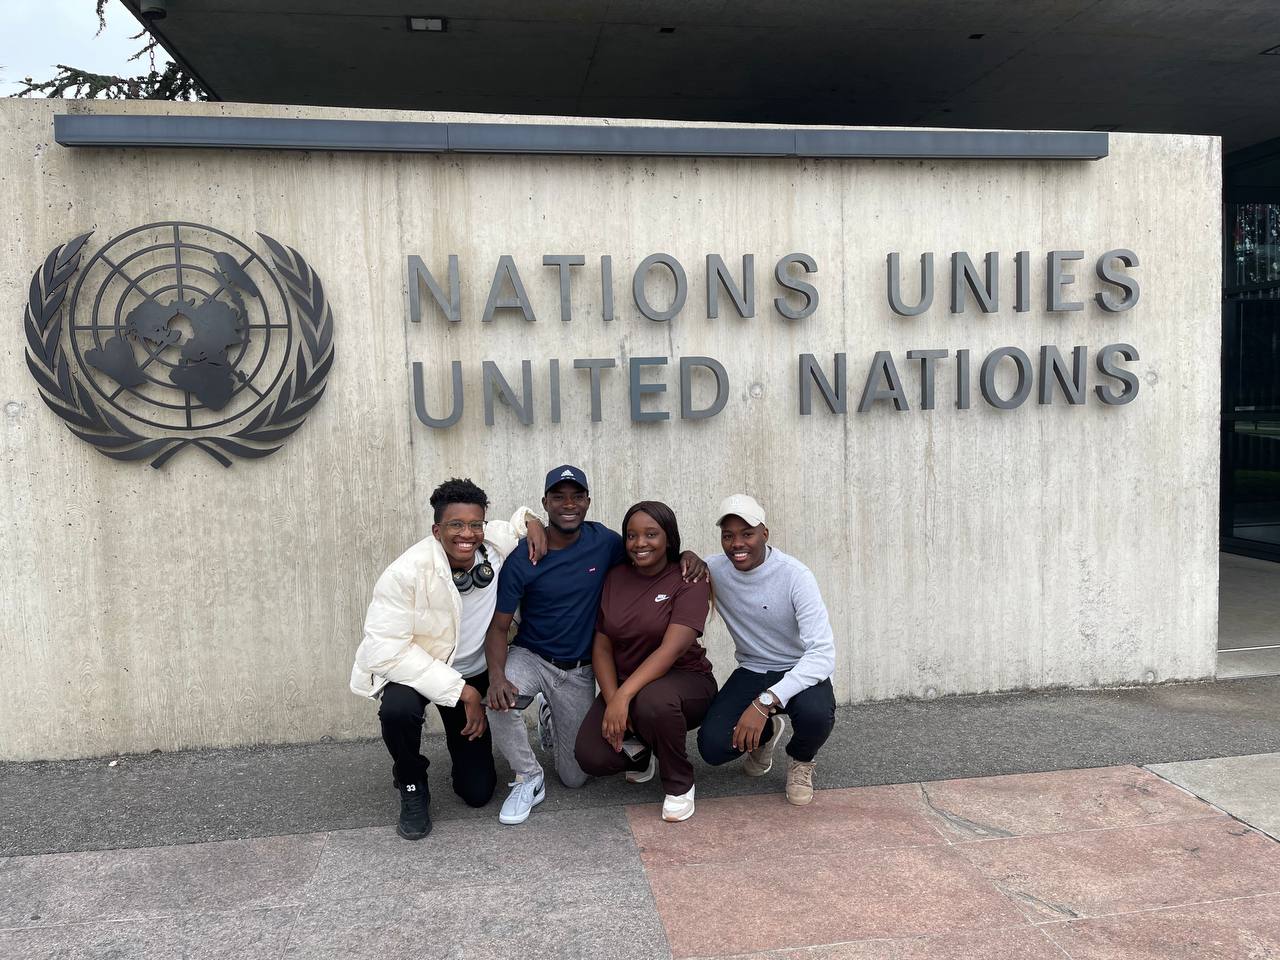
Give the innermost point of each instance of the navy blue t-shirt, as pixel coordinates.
(558, 598)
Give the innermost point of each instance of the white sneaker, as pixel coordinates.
(525, 795)
(760, 760)
(675, 809)
(645, 775)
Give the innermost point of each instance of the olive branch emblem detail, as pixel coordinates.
(90, 418)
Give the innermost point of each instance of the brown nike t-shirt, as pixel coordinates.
(636, 610)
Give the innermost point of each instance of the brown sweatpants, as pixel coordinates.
(661, 715)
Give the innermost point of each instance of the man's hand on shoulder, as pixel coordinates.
(692, 569)
(536, 538)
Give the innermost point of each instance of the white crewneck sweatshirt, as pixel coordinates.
(777, 619)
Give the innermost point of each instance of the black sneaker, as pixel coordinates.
(415, 822)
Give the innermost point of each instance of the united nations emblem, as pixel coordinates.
(176, 334)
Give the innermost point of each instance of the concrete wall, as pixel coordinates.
(958, 550)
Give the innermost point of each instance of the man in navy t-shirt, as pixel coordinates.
(551, 653)
(559, 597)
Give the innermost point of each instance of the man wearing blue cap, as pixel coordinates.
(551, 654)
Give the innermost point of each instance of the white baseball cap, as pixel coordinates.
(741, 505)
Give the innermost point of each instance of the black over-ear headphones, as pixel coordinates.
(478, 577)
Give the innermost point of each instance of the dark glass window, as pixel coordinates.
(1251, 381)
(1253, 257)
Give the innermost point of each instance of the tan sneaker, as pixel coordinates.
(799, 782)
(760, 760)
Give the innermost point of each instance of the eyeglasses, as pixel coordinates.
(457, 526)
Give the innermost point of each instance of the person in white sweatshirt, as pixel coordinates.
(424, 643)
(785, 650)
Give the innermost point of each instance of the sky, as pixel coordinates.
(36, 34)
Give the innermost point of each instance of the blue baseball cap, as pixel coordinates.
(566, 472)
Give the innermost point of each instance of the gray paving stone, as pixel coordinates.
(376, 862)
(241, 935)
(600, 916)
(156, 881)
(1248, 788)
(195, 796)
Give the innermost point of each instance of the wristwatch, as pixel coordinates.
(768, 700)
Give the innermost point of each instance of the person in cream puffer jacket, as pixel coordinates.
(424, 643)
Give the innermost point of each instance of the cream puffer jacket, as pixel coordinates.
(411, 629)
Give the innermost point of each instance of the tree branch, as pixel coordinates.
(72, 83)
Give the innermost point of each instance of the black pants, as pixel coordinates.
(401, 713)
(812, 712)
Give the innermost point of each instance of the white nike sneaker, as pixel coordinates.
(525, 795)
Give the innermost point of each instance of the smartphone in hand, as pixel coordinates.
(633, 747)
(523, 700)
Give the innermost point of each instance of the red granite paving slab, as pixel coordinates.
(1012, 944)
(750, 829)
(1034, 803)
(1127, 869)
(726, 908)
(1246, 929)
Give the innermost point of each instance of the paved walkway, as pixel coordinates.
(199, 796)
(1115, 862)
(944, 832)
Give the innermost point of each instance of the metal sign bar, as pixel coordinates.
(403, 136)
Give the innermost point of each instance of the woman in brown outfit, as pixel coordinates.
(654, 676)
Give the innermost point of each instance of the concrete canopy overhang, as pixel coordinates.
(1141, 65)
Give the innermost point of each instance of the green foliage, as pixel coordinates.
(72, 83)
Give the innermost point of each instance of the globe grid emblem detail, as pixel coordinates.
(176, 335)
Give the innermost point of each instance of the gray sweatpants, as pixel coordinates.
(569, 693)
